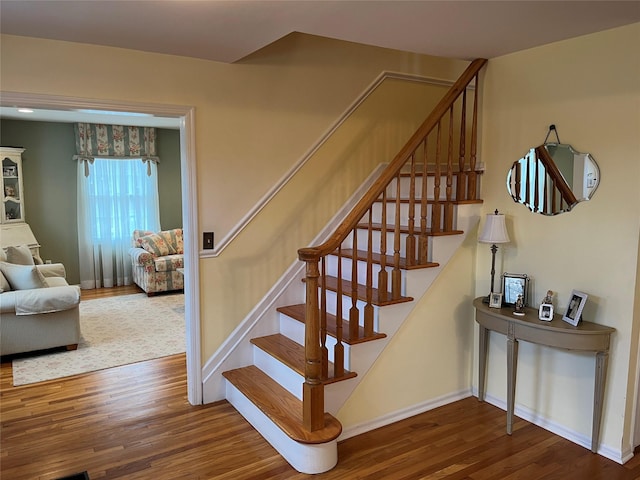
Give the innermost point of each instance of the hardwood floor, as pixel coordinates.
(110, 292)
(134, 422)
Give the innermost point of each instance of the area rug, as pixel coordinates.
(115, 331)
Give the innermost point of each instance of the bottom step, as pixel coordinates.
(277, 415)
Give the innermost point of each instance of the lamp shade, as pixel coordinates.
(495, 229)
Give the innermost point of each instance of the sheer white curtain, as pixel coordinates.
(117, 197)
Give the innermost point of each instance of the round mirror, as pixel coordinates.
(553, 178)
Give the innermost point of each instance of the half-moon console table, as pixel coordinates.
(586, 337)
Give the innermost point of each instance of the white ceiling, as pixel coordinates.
(229, 30)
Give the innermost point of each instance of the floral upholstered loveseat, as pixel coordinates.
(156, 257)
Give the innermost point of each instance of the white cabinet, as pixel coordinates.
(14, 230)
(12, 191)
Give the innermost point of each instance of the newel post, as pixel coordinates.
(312, 389)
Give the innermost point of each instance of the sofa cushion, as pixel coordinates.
(19, 255)
(52, 270)
(168, 263)
(137, 234)
(55, 281)
(54, 299)
(174, 239)
(22, 277)
(156, 245)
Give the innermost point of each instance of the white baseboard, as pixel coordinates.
(534, 417)
(403, 414)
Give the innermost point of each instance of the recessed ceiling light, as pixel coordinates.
(25, 110)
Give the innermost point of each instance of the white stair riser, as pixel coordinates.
(376, 236)
(362, 240)
(281, 373)
(347, 304)
(404, 213)
(347, 263)
(295, 331)
(405, 186)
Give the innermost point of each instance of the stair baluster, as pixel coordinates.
(461, 177)
(368, 309)
(436, 209)
(448, 206)
(472, 186)
(411, 239)
(423, 245)
(396, 273)
(383, 276)
(338, 351)
(354, 313)
(323, 320)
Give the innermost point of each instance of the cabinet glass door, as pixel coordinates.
(12, 204)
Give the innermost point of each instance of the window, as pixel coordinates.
(122, 198)
(117, 197)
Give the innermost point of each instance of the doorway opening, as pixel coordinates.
(184, 116)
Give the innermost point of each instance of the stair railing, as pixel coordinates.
(419, 148)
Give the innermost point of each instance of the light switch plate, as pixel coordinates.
(207, 240)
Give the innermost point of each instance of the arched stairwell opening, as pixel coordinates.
(370, 265)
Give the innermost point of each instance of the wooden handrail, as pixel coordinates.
(389, 249)
(553, 172)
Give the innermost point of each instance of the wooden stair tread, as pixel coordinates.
(298, 312)
(292, 355)
(405, 229)
(377, 259)
(283, 408)
(332, 284)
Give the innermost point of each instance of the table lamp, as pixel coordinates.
(494, 231)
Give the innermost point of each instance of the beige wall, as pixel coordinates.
(589, 87)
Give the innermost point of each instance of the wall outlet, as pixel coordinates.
(207, 240)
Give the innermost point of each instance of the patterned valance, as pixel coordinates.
(114, 142)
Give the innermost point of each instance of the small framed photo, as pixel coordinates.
(574, 310)
(9, 171)
(514, 284)
(545, 312)
(495, 300)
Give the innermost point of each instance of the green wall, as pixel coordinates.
(169, 188)
(49, 181)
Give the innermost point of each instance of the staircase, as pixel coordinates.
(360, 285)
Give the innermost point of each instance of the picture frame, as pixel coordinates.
(514, 284)
(545, 312)
(495, 300)
(577, 302)
(9, 171)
